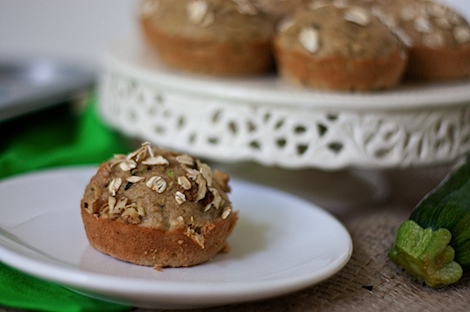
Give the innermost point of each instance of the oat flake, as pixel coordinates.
(185, 160)
(226, 213)
(157, 183)
(357, 16)
(341, 4)
(433, 40)
(199, 13)
(114, 186)
(180, 197)
(435, 9)
(462, 34)
(309, 38)
(285, 24)
(184, 183)
(155, 160)
(316, 4)
(423, 25)
(134, 179)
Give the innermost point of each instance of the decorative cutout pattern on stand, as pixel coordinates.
(235, 129)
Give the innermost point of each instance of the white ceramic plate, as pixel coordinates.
(281, 244)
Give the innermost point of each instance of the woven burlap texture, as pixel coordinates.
(369, 282)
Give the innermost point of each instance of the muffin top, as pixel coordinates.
(156, 188)
(424, 23)
(279, 8)
(339, 30)
(219, 20)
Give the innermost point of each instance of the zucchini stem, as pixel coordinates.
(426, 254)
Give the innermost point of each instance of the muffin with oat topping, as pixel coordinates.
(213, 37)
(158, 208)
(437, 36)
(335, 46)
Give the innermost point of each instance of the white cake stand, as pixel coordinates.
(268, 121)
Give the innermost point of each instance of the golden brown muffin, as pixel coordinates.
(158, 208)
(338, 47)
(437, 36)
(213, 37)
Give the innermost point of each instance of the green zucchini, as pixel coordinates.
(433, 245)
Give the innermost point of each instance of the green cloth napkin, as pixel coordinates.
(56, 137)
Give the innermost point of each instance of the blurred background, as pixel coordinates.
(78, 29)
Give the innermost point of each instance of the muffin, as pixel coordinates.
(212, 37)
(159, 208)
(437, 36)
(338, 47)
(279, 8)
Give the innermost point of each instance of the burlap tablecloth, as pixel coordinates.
(370, 282)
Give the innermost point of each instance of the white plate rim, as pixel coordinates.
(103, 286)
